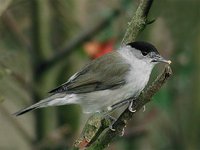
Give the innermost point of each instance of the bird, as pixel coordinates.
(106, 82)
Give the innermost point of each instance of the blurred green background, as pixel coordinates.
(43, 42)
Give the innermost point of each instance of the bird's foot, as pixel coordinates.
(111, 118)
(122, 133)
(130, 107)
(144, 108)
(112, 121)
(111, 128)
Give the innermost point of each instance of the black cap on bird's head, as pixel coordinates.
(144, 47)
(148, 49)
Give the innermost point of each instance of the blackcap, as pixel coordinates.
(106, 81)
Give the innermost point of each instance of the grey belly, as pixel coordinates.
(100, 100)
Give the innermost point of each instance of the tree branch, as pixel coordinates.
(12, 24)
(95, 125)
(138, 21)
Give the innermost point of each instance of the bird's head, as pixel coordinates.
(146, 52)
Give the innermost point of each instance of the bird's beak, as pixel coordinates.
(158, 58)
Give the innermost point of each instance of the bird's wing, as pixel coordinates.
(107, 72)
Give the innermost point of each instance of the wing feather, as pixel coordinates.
(97, 76)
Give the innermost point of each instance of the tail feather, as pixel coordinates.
(32, 107)
(23, 111)
(42, 103)
(53, 100)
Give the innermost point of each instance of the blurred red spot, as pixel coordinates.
(96, 49)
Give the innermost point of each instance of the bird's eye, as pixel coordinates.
(144, 53)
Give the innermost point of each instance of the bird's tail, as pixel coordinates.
(25, 110)
(54, 100)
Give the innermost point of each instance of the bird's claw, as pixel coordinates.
(130, 107)
(112, 121)
(144, 108)
(122, 134)
(111, 118)
(111, 128)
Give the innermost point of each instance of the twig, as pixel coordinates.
(11, 22)
(23, 83)
(138, 21)
(121, 122)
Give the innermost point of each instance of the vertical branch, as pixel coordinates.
(137, 22)
(40, 15)
(41, 50)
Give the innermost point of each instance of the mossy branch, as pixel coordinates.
(138, 21)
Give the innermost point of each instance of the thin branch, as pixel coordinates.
(17, 77)
(121, 122)
(147, 6)
(12, 24)
(77, 41)
(138, 21)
